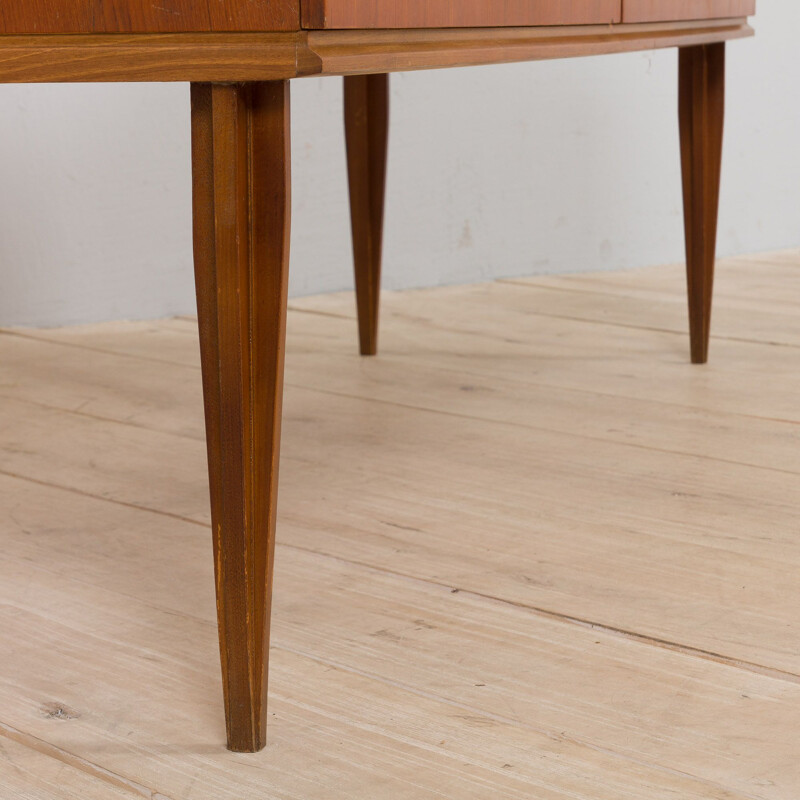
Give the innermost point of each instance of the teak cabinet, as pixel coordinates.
(240, 56)
(197, 16)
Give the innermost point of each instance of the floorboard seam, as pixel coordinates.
(74, 345)
(630, 326)
(79, 763)
(550, 734)
(688, 650)
(652, 641)
(455, 415)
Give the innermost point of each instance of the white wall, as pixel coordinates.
(507, 170)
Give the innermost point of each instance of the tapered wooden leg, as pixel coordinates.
(240, 153)
(366, 115)
(701, 114)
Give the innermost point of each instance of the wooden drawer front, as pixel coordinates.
(147, 16)
(339, 14)
(666, 10)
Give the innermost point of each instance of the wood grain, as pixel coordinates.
(359, 52)
(154, 16)
(366, 115)
(254, 15)
(474, 693)
(662, 10)
(226, 57)
(585, 347)
(563, 375)
(431, 730)
(46, 16)
(701, 116)
(35, 770)
(147, 16)
(240, 157)
(335, 14)
(155, 57)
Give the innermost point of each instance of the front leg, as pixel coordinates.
(241, 169)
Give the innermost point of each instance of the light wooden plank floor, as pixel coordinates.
(527, 552)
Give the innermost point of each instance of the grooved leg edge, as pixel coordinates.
(241, 176)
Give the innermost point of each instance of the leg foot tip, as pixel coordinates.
(246, 747)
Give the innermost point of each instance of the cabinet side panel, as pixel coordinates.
(46, 16)
(349, 14)
(667, 10)
(147, 16)
(159, 16)
(254, 15)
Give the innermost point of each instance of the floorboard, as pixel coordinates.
(528, 551)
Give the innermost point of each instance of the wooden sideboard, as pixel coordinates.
(191, 16)
(240, 56)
